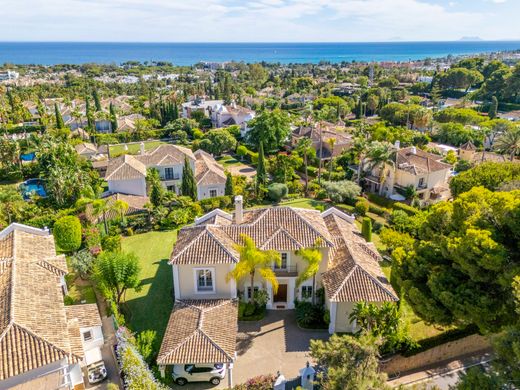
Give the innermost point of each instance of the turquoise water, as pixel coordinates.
(33, 186)
(50, 53)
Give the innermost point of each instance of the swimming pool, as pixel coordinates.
(33, 187)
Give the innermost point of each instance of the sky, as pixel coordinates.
(258, 20)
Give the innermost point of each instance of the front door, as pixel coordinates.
(281, 294)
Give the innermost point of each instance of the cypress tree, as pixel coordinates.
(188, 185)
(97, 102)
(366, 229)
(90, 121)
(175, 111)
(113, 117)
(493, 109)
(260, 168)
(230, 190)
(59, 119)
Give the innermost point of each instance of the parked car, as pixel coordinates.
(96, 372)
(212, 373)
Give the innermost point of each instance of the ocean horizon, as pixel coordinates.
(53, 53)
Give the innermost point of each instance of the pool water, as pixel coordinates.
(33, 186)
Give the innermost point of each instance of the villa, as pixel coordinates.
(413, 168)
(127, 174)
(43, 343)
(321, 139)
(206, 302)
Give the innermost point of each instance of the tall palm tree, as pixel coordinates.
(304, 146)
(509, 142)
(253, 261)
(312, 256)
(381, 154)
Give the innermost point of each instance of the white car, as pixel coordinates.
(212, 373)
(96, 372)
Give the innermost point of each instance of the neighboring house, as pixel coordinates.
(209, 175)
(86, 150)
(43, 343)
(9, 75)
(469, 152)
(321, 138)
(206, 252)
(228, 115)
(199, 104)
(127, 174)
(127, 123)
(136, 205)
(423, 171)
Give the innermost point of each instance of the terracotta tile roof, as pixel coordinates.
(86, 314)
(200, 331)
(167, 154)
(353, 273)
(420, 162)
(125, 167)
(206, 244)
(468, 146)
(207, 170)
(34, 328)
(85, 147)
(135, 206)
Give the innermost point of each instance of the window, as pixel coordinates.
(204, 280)
(212, 193)
(170, 188)
(306, 292)
(249, 291)
(421, 182)
(283, 264)
(87, 335)
(168, 173)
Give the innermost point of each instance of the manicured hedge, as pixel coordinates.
(67, 233)
(407, 209)
(450, 335)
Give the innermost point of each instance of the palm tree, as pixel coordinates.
(359, 148)
(100, 207)
(253, 260)
(121, 207)
(304, 146)
(381, 154)
(366, 315)
(509, 142)
(312, 256)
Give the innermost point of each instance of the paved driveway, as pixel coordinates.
(274, 344)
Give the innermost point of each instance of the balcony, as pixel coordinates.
(170, 177)
(287, 271)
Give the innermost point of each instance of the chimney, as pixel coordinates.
(413, 150)
(239, 210)
(397, 144)
(141, 148)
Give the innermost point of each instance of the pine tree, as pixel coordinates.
(230, 190)
(113, 117)
(97, 102)
(435, 93)
(59, 119)
(260, 168)
(493, 108)
(188, 185)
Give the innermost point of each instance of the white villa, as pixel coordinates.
(44, 344)
(127, 174)
(203, 323)
(423, 171)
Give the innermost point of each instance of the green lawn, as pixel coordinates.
(304, 203)
(150, 308)
(227, 161)
(133, 148)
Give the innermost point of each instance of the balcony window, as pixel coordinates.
(283, 264)
(306, 292)
(204, 280)
(168, 174)
(212, 193)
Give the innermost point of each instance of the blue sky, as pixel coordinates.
(257, 20)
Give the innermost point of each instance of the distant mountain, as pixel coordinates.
(471, 39)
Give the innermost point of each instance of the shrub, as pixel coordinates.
(277, 191)
(262, 382)
(341, 191)
(111, 243)
(309, 315)
(366, 229)
(82, 263)
(67, 233)
(404, 207)
(361, 207)
(145, 344)
(249, 309)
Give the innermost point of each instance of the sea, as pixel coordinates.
(52, 53)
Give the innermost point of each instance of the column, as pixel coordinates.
(230, 375)
(162, 370)
(332, 324)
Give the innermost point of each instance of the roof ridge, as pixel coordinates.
(280, 230)
(203, 228)
(347, 277)
(375, 280)
(218, 241)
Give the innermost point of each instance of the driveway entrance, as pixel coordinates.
(273, 344)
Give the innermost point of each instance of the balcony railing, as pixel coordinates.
(290, 270)
(170, 177)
